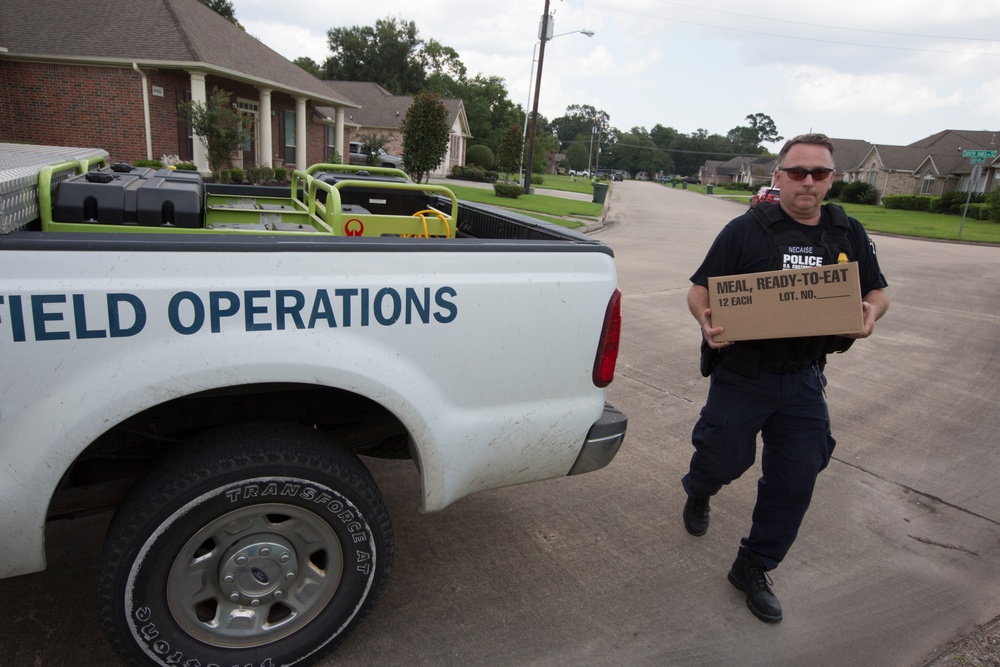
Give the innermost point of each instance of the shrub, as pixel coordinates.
(908, 202)
(456, 170)
(266, 174)
(492, 176)
(835, 189)
(537, 179)
(280, 174)
(472, 173)
(224, 175)
(236, 175)
(858, 192)
(480, 155)
(186, 166)
(155, 164)
(253, 174)
(508, 190)
(979, 211)
(993, 204)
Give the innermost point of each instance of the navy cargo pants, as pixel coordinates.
(791, 414)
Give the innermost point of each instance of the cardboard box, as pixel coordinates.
(813, 301)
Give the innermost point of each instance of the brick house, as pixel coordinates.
(381, 112)
(111, 75)
(932, 166)
(740, 169)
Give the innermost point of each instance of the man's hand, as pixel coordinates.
(699, 307)
(873, 307)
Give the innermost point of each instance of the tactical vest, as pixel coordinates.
(788, 244)
(792, 249)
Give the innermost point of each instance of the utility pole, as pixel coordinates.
(534, 107)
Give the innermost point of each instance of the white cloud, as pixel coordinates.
(291, 41)
(817, 89)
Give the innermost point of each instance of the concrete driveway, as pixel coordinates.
(899, 554)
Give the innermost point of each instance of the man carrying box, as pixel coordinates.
(774, 386)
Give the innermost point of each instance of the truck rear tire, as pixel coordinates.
(255, 544)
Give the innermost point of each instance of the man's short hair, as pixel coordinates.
(816, 139)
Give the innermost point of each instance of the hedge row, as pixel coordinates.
(953, 203)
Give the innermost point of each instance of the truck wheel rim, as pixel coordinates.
(254, 575)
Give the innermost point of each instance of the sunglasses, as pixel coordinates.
(799, 174)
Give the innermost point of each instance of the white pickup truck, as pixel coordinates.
(213, 359)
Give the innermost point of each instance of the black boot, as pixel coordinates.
(750, 577)
(696, 516)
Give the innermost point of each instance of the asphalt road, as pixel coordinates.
(898, 556)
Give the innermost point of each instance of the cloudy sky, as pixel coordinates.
(886, 71)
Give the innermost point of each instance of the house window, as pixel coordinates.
(927, 186)
(288, 136)
(872, 177)
(331, 143)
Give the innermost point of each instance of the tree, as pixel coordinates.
(546, 145)
(766, 131)
(219, 125)
(744, 140)
(508, 154)
(310, 65)
(636, 151)
(223, 8)
(425, 135)
(372, 144)
(576, 155)
(487, 107)
(388, 54)
(442, 61)
(580, 119)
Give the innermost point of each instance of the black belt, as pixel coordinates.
(748, 361)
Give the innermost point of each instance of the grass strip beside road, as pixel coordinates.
(918, 224)
(566, 212)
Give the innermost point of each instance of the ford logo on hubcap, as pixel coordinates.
(259, 575)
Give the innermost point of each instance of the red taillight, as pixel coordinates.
(607, 347)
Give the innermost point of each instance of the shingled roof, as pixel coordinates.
(164, 34)
(849, 153)
(381, 109)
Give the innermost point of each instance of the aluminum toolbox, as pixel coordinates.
(19, 167)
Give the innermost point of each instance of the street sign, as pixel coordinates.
(982, 154)
(977, 160)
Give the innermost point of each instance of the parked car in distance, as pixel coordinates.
(383, 159)
(765, 194)
(583, 172)
(690, 179)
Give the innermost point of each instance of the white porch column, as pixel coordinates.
(301, 159)
(199, 95)
(265, 149)
(339, 139)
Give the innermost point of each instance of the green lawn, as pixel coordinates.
(565, 183)
(566, 212)
(918, 224)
